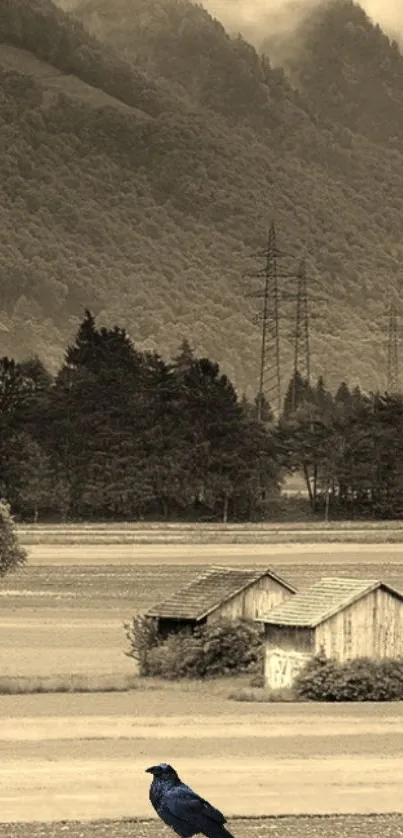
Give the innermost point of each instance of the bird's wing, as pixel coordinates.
(185, 804)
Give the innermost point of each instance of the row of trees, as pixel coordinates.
(348, 447)
(121, 434)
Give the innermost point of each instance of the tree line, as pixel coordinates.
(349, 447)
(121, 434)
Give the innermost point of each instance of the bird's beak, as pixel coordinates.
(150, 770)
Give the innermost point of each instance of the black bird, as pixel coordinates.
(181, 808)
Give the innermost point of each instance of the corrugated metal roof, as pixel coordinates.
(210, 590)
(325, 598)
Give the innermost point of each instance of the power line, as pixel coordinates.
(392, 372)
(270, 363)
(301, 316)
(302, 361)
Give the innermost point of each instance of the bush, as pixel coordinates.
(179, 656)
(361, 679)
(228, 647)
(12, 555)
(318, 680)
(142, 635)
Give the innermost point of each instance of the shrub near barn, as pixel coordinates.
(227, 647)
(231, 647)
(362, 679)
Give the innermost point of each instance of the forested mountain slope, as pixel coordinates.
(350, 71)
(152, 211)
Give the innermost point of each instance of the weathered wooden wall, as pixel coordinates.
(281, 666)
(287, 648)
(371, 627)
(253, 602)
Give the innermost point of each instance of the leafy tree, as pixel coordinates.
(12, 556)
(210, 419)
(259, 472)
(304, 441)
(34, 489)
(15, 399)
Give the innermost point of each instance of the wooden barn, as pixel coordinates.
(221, 593)
(346, 618)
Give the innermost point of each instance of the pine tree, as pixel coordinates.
(343, 395)
(323, 400)
(262, 409)
(298, 392)
(83, 353)
(185, 358)
(101, 407)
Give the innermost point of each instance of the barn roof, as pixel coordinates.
(325, 598)
(210, 590)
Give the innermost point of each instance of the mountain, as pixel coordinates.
(145, 153)
(350, 71)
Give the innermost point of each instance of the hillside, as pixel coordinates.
(151, 206)
(350, 71)
(56, 82)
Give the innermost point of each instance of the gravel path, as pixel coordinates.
(348, 826)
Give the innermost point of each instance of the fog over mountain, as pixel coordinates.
(254, 19)
(251, 17)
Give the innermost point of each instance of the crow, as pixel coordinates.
(181, 808)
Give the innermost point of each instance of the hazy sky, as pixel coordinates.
(248, 16)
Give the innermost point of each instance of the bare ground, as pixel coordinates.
(83, 757)
(86, 789)
(350, 826)
(59, 642)
(196, 554)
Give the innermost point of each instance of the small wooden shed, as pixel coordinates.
(221, 593)
(346, 618)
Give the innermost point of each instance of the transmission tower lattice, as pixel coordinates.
(270, 368)
(302, 361)
(392, 376)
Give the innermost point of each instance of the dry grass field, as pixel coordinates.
(319, 532)
(82, 756)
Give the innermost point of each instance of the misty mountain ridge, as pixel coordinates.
(350, 71)
(347, 70)
(252, 18)
(152, 212)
